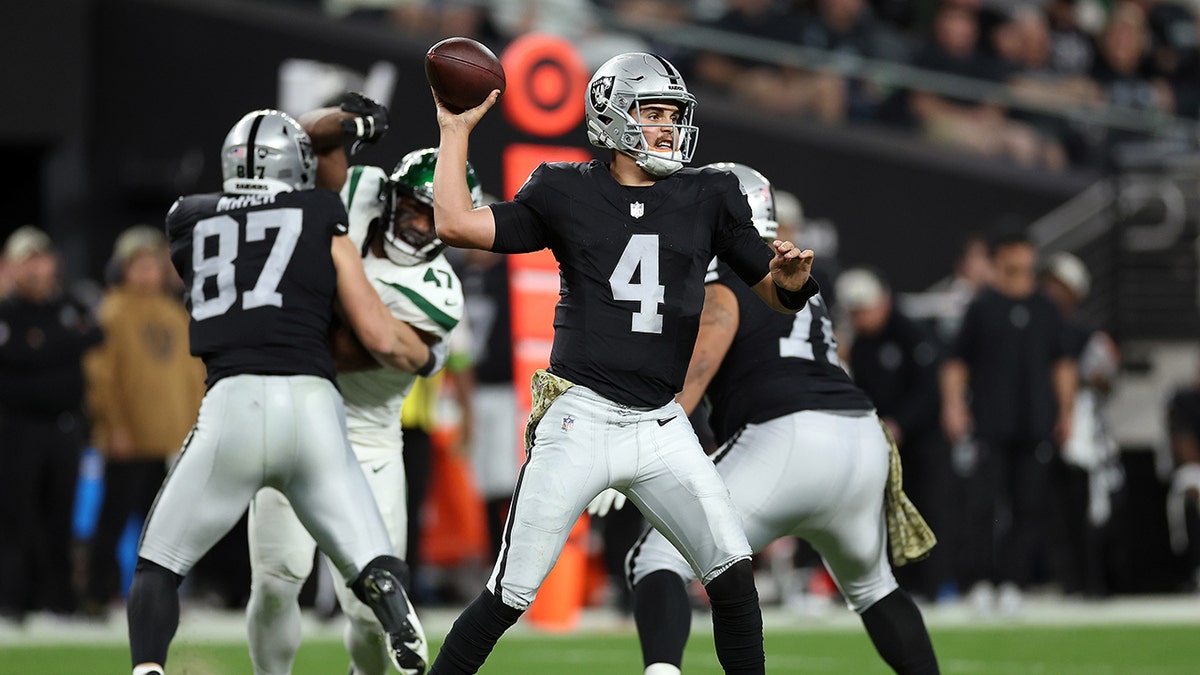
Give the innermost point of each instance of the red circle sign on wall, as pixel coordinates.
(547, 80)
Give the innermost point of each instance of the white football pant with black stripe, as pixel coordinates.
(586, 443)
(814, 474)
(254, 431)
(279, 544)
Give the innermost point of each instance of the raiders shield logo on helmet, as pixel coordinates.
(600, 91)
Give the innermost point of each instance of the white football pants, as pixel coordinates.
(586, 443)
(814, 474)
(254, 431)
(281, 559)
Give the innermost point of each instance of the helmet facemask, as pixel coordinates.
(409, 237)
(680, 132)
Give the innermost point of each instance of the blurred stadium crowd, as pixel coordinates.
(97, 391)
(1046, 84)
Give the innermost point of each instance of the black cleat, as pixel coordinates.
(407, 647)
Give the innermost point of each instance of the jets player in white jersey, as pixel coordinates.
(390, 221)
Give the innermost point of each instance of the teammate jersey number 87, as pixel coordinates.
(220, 267)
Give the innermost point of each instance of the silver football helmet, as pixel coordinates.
(614, 96)
(759, 193)
(268, 152)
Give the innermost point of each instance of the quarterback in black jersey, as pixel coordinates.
(633, 238)
(802, 452)
(263, 262)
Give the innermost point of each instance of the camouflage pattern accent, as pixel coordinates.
(546, 388)
(909, 537)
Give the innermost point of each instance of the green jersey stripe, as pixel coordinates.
(355, 174)
(438, 316)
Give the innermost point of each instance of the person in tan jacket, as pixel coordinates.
(143, 393)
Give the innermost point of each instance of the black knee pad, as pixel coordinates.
(734, 583)
(151, 570)
(501, 611)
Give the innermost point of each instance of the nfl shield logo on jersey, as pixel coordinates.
(568, 423)
(636, 209)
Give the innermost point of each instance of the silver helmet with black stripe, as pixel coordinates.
(615, 95)
(267, 152)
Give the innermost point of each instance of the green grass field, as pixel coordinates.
(988, 650)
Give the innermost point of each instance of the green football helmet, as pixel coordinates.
(409, 236)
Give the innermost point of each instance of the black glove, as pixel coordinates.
(371, 123)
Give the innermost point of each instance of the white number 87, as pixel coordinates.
(289, 222)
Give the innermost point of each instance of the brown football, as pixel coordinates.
(463, 72)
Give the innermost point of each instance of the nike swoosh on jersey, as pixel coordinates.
(663, 423)
(381, 467)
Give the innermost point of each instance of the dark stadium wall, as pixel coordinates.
(46, 49)
(175, 75)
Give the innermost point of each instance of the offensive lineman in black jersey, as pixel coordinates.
(803, 454)
(264, 261)
(633, 239)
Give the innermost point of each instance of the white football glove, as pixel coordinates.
(609, 500)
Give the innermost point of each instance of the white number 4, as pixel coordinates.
(641, 251)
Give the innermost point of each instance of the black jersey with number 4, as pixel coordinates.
(778, 364)
(260, 279)
(632, 264)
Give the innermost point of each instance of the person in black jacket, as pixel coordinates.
(43, 334)
(895, 361)
(1010, 381)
